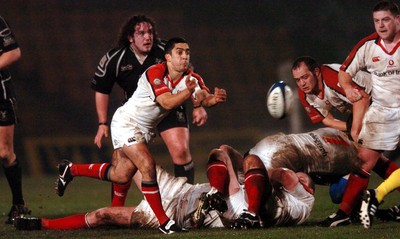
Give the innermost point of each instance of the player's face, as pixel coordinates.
(386, 24)
(142, 39)
(305, 79)
(180, 57)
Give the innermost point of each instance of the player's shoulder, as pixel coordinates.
(115, 51)
(157, 70)
(158, 49)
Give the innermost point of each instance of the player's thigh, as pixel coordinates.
(380, 129)
(177, 141)
(141, 157)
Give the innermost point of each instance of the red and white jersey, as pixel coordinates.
(325, 151)
(333, 96)
(370, 54)
(289, 208)
(142, 106)
(179, 199)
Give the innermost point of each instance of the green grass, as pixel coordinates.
(84, 195)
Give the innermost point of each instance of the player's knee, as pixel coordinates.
(101, 216)
(6, 156)
(181, 155)
(226, 148)
(251, 161)
(216, 155)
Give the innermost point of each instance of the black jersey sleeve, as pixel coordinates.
(7, 39)
(106, 72)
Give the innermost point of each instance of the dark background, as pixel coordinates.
(242, 46)
(237, 45)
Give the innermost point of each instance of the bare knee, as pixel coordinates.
(252, 161)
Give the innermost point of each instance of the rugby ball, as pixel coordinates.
(279, 100)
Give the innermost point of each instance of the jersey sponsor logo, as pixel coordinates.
(126, 68)
(387, 73)
(157, 81)
(319, 144)
(375, 59)
(131, 140)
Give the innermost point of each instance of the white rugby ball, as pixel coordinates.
(279, 100)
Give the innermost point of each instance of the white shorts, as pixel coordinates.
(125, 131)
(380, 128)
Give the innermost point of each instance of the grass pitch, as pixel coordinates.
(84, 195)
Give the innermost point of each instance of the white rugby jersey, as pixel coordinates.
(181, 199)
(291, 207)
(370, 54)
(325, 150)
(333, 95)
(142, 106)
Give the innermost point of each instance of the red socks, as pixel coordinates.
(119, 193)
(72, 222)
(217, 174)
(153, 197)
(98, 171)
(254, 182)
(352, 193)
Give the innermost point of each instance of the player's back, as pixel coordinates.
(325, 150)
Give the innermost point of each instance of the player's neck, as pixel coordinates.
(141, 57)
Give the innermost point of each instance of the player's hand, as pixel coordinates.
(353, 95)
(200, 116)
(102, 131)
(220, 95)
(190, 84)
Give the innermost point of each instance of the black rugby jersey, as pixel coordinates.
(7, 43)
(122, 67)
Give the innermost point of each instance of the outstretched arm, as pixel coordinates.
(203, 98)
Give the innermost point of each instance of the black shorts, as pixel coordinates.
(176, 118)
(8, 115)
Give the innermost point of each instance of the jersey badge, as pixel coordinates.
(126, 68)
(157, 81)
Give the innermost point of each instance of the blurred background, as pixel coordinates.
(242, 46)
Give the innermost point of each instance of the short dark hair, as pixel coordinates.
(310, 62)
(128, 28)
(171, 44)
(387, 6)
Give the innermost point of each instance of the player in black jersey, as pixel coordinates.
(138, 47)
(9, 53)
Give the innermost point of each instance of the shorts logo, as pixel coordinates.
(3, 116)
(157, 81)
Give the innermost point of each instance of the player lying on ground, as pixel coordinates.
(275, 196)
(325, 154)
(190, 206)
